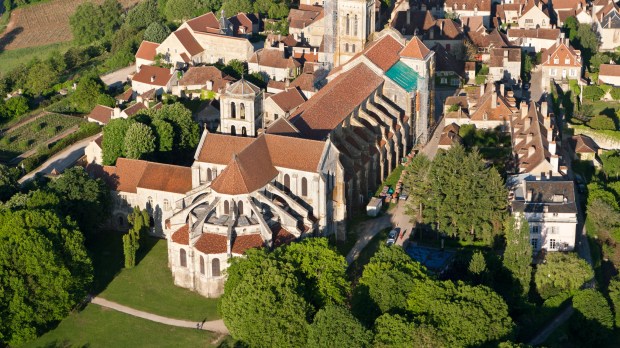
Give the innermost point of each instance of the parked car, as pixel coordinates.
(404, 195)
(392, 236)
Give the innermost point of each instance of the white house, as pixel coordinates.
(282, 105)
(550, 209)
(274, 64)
(609, 74)
(146, 54)
(535, 14)
(153, 77)
(470, 8)
(533, 40)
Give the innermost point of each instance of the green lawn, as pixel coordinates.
(99, 327)
(35, 133)
(13, 58)
(149, 286)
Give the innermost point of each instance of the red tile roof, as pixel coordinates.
(153, 75)
(609, 70)
(219, 148)
(245, 242)
(146, 50)
(282, 126)
(199, 75)
(289, 99)
(211, 243)
(129, 174)
(181, 236)
(101, 114)
(188, 41)
(281, 236)
(384, 52)
(415, 49)
(205, 23)
(273, 58)
(317, 117)
(133, 109)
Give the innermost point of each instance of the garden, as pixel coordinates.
(32, 134)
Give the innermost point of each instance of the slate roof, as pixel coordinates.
(543, 193)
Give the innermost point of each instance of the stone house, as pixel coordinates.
(560, 62)
(146, 54)
(470, 8)
(281, 105)
(206, 82)
(584, 148)
(607, 24)
(535, 14)
(505, 65)
(487, 107)
(449, 71)
(307, 24)
(94, 152)
(533, 40)
(274, 64)
(153, 78)
(609, 74)
(181, 48)
(241, 109)
(449, 136)
(423, 24)
(570, 8)
(550, 209)
(102, 114)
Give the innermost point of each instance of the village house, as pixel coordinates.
(550, 209)
(607, 24)
(102, 114)
(153, 78)
(273, 64)
(484, 41)
(449, 136)
(308, 82)
(470, 8)
(487, 107)
(533, 40)
(535, 15)
(609, 74)
(571, 8)
(560, 62)
(505, 65)
(281, 105)
(449, 71)
(584, 148)
(245, 24)
(307, 24)
(146, 54)
(206, 82)
(445, 32)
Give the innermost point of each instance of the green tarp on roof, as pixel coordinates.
(404, 76)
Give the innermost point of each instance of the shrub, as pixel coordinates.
(593, 319)
(593, 93)
(561, 272)
(615, 93)
(602, 122)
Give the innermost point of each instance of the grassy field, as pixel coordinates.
(9, 60)
(149, 286)
(35, 133)
(99, 327)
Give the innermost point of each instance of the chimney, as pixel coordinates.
(210, 85)
(529, 195)
(549, 134)
(481, 90)
(116, 113)
(544, 111)
(502, 89)
(493, 97)
(524, 109)
(281, 46)
(555, 163)
(152, 78)
(552, 147)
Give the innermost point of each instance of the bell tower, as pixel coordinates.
(354, 25)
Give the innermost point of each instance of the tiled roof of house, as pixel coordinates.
(530, 138)
(282, 126)
(484, 110)
(304, 16)
(481, 38)
(415, 48)
(245, 242)
(153, 75)
(133, 109)
(317, 117)
(497, 56)
(188, 41)
(384, 52)
(199, 75)
(146, 50)
(219, 148)
(99, 141)
(468, 5)
(289, 99)
(207, 23)
(101, 113)
(561, 50)
(568, 4)
(583, 144)
(129, 174)
(273, 58)
(450, 135)
(546, 34)
(609, 70)
(125, 96)
(242, 20)
(211, 243)
(181, 236)
(421, 21)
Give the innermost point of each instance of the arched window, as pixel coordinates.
(209, 174)
(304, 187)
(183, 258)
(353, 48)
(215, 268)
(167, 206)
(233, 131)
(346, 47)
(226, 208)
(348, 23)
(287, 181)
(202, 265)
(355, 27)
(242, 111)
(149, 202)
(244, 132)
(233, 110)
(240, 207)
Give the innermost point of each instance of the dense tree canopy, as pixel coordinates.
(91, 22)
(593, 321)
(44, 271)
(187, 132)
(139, 141)
(114, 140)
(178, 10)
(458, 194)
(8, 182)
(518, 254)
(334, 326)
(561, 272)
(143, 14)
(156, 32)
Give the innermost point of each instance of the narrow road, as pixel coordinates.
(117, 77)
(368, 229)
(61, 160)
(214, 325)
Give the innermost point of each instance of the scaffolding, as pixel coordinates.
(331, 32)
(422, 123)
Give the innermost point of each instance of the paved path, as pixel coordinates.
(430, 149)
(61, 160)
(368, 229)
(214, 325)
(118, 77)
(548, 330)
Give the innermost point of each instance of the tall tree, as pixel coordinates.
(139, 141)
(156, 32)
(45, 271)
(164, 134)
(419, 183)
(114, 140)
(477, 265)
(614, 296)
(8, 182)
(518, 254)
(561, 272)
(143, 14)
(87, 93)
(334, 326)
(187, 132)
(593, 321)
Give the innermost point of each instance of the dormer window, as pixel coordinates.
(464, 6)
(556, 60)
(566, 60)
